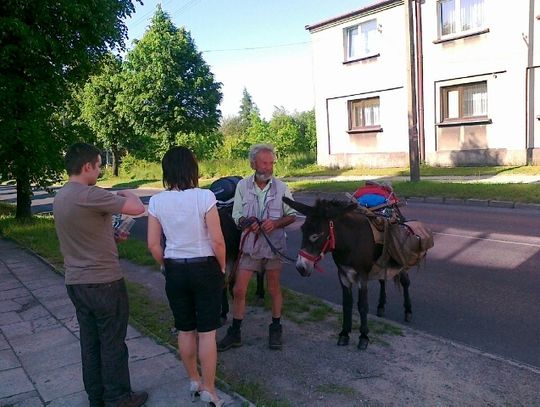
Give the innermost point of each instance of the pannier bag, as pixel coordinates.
(224, 189)
(407, 243)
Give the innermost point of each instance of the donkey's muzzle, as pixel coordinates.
(303, 268)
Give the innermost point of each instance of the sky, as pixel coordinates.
(261, 45)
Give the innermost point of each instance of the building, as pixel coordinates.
(478, 83)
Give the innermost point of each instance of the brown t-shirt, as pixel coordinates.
(82, 217)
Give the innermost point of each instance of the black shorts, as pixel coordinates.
(194, 292)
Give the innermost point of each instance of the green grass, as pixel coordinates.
(137, 252)
(504, 192)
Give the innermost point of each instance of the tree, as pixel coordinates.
(170, 92)
(45, 47)
(101, 111)
(247, 107)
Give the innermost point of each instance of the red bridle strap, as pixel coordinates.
(328, 246)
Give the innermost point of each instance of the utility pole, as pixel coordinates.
(414, 162)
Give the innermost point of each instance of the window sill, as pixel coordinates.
(465, 122)
(368, 129)
(364, 58)
(454, 37)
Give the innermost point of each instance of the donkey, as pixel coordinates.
(340, 228)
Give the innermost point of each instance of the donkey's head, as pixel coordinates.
(318, 234)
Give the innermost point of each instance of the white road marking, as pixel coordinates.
(488, 239)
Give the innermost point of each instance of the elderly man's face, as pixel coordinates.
(263, 165)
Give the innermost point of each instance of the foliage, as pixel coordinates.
(100, 109)
(45, 46)
(170, 93)
(247, 107)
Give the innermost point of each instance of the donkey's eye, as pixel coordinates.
(314, 237)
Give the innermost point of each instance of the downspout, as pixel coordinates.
(529, 89)
(420, 81)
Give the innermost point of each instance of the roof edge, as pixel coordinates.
(370, 8)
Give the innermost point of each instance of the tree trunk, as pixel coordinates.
(24, 198)
(115, 161)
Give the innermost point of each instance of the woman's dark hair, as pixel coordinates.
(78, 155)
(180, 169)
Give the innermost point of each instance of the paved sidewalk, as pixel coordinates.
(39, 346)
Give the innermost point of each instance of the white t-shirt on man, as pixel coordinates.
(182, 215)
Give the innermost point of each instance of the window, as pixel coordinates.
(361, 40)
(463, 102)
(364, 114)
(460, 16)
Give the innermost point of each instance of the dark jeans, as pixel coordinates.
(102, 312)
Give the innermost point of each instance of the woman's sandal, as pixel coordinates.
(211, 402)
(194, 390)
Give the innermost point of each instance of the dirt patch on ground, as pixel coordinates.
(405, 369)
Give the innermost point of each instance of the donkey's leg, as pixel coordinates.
(347, 305)
(382, 298)
(260, 285)
(405, 283)
(363, 309)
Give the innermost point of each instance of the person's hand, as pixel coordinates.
(268, 225)
(121, 237)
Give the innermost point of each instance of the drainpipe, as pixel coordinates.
(420, 81)
(529, 88)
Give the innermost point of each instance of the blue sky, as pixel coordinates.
(278, 71)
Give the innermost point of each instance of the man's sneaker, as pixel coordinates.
(135, 399)
(274, 336)
(233, 339)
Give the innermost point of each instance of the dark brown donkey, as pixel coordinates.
(340, 228)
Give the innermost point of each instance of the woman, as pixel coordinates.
(193, 262)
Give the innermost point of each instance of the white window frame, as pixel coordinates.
(361, 40)
(459, 19)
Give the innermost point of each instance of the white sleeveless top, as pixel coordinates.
(182, 218)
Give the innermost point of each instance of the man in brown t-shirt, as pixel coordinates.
(94, 280)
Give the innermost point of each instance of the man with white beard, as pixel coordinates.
(259, 210)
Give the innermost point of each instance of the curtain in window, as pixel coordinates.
(447, 16)
(369, 37)
(472, 14)
(475, 100)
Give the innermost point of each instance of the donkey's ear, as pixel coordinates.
(298, 206)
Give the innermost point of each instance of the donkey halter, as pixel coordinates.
(328, 246)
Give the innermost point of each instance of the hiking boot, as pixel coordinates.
(274, 336)
(233, 339)
(134, 399)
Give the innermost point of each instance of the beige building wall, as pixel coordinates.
(498, 53)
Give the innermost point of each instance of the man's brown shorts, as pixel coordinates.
(249, 263)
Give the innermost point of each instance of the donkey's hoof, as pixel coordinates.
(363, 343)
(408, 316)
(380, 312)
(343, 340)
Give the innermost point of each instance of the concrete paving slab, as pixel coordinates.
(143, 348)
(28, 399)
(13, 382)
(9, 305)
(13, 293)
(60, 382)
(9, 283)
(52, 292)
(43, 282)
(63, 311)
(76, 399)
(8, 318)
(41, 340)
(51, 358)
(3, 342)
(34, 312)
(8, 360)
(30, 327)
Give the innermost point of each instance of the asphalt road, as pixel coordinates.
(479, 286)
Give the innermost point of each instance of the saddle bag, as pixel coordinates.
(407, 243)
(224, 189)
